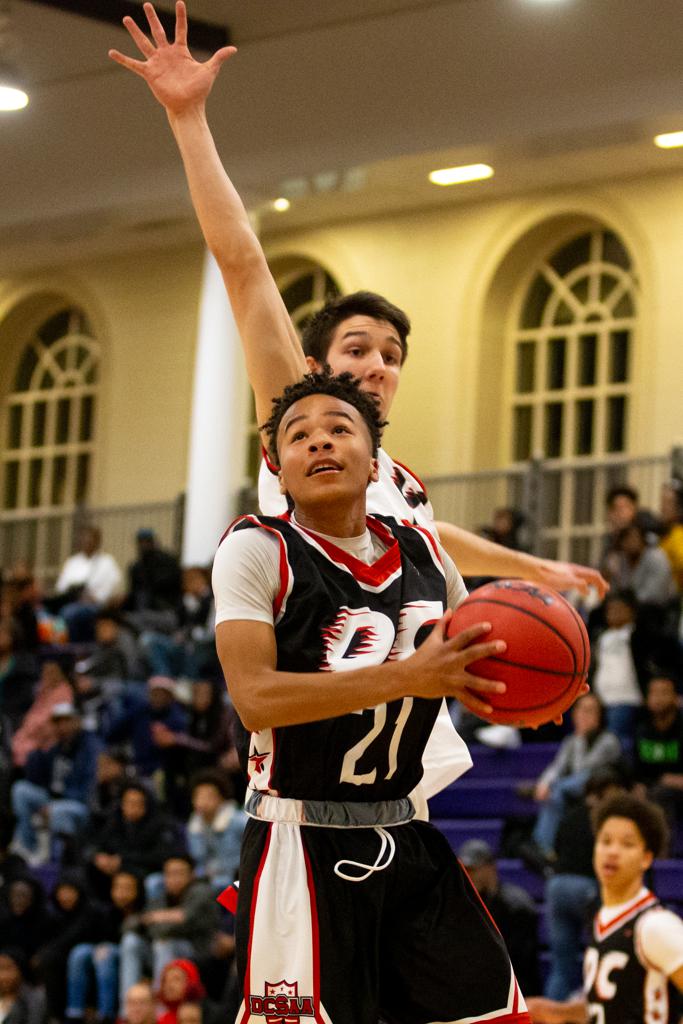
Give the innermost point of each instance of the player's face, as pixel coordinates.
(325, 451)
(620, 856)
(371, 350)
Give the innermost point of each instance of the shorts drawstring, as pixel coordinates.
(370, 869)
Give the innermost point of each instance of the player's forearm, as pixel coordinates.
(547, 1011)
(476, 556)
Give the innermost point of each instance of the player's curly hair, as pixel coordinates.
(647, 817)
(344, 386)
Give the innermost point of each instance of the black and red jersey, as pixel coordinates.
(335, 613)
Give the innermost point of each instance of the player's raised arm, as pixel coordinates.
(476, 556)
(182, 84)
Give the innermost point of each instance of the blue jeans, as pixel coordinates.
(85, 962)
(138, 955)
(168, 657)
(64, 817)
(551, 811)
(621, 720)
(568, 899)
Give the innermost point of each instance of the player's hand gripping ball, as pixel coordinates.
(547, 657)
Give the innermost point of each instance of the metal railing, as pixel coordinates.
(44, 539)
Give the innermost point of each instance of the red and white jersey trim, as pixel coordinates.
(284, 568)
(638, 904)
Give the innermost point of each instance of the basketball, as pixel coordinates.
(547, 656)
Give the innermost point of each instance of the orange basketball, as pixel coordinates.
(547, 654)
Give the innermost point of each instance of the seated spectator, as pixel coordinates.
(658, 750)
(214, 831)
(24, 920)
(133, 723)
(643, 568)
(57, 784)
(12, 865)
(115, 655)
(114, 772)
(94, 962)
(155, 586)
(614, 673)
(623, 509)
(190, 651)
(179, 924)
(69, 920)
(513, 910)
(139, 1004)
(506, 528)
(18, 606)
(18, 676)
(136, 837)
(20, 1002)
(207, 739)
(5, 759)
(590, 746)
(671, 539)
(90, 580)
(180, 981)
(571, 893)
(37, 731)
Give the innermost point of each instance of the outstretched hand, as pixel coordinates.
(569, 576)
(177, 80)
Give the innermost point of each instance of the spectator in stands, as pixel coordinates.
(136, 837)
(180, 981)
(206, 741)
(190, 651)
(155, 585)
(571, 893)
(20, 1003)
(96, 956)
(214, 831)
(37, 731)
(189, 1013)
(590, 746)
(513, 910)
(12, 865)
(18, 675)
(115, 656)
(5, 759)
(114, 771)
(57, 784)
(179, 924)
(658, 751)
(90, 580)
(19, 601)
(24, 919)
(671, 541)
(614, 673)
(70, 919)
(623, 509)
(506, 528)
(136, 717)
(643, 568)
(139, 1004)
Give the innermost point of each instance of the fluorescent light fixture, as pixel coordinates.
(12, 94)
(460, 175)
(281, 204)
(669, 140)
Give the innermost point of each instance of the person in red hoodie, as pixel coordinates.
(180, 982)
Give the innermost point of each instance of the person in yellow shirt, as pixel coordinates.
(671, 512)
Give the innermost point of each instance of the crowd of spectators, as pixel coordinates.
(122, 792)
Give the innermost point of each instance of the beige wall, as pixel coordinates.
(456, 270)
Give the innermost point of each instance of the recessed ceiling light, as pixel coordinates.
(460, 175)
(281, 204)
(12, 98)
(669, 140)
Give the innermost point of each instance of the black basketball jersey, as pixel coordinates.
(334, 613)
(620, 986)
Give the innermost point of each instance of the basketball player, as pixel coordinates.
(363, 334)
(348, 907)
(633, 968)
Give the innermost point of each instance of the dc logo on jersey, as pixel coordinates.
(282, 1003)
(357, 638)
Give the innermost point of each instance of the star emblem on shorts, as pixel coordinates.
(257, 761)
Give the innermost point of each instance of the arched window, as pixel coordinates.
(50, 414)
(305, 287)
(571, 341)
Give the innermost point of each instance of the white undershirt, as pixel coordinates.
(659, 937)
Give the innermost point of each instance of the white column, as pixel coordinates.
(216, 455)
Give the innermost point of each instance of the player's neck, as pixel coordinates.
(331, 519)
(614, 896)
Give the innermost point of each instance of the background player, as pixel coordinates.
(347, 906)
(633, 968)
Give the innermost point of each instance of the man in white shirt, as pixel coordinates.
(89, 581)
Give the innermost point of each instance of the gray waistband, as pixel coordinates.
(328, 813)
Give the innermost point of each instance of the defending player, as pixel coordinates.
(348, 907)
(633, 968)
(367, 336)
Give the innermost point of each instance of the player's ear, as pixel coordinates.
(313, 365)
(374, 471)
(648, 857)
(283, 489)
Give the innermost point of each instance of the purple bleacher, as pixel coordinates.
(668, 880)
(516, 871)
(525, 762)
(481, 798)
(457, 832)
